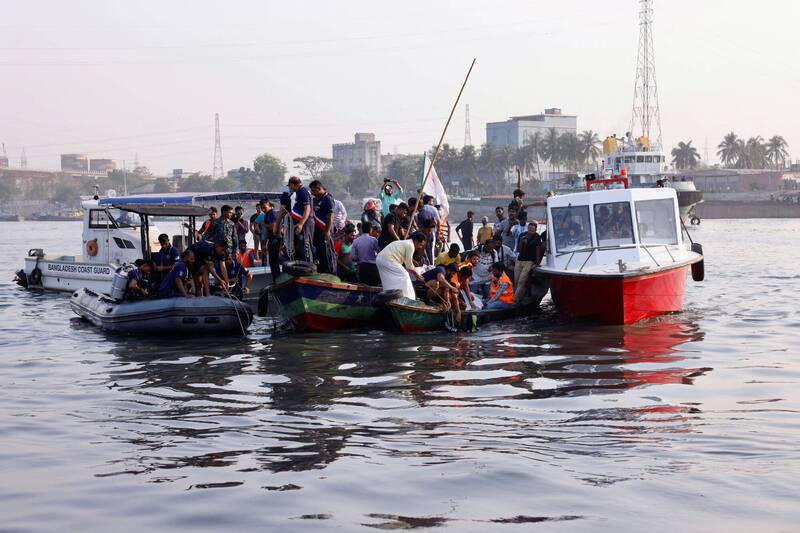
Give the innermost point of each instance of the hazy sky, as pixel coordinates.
(113, 78)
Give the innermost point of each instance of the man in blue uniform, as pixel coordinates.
(205, 253)
(303, 223)
(323, 226)
(176, 282)
(164, 258)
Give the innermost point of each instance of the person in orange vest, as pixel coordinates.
(501, 291)
(246, 256)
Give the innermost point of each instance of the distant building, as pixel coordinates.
(75, 162)
(735, 180)
(364, 152)
(3, 161)
(516, 131)
(101, 165)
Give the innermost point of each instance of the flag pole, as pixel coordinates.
(436, 151)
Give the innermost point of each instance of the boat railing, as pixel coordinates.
(592, 249)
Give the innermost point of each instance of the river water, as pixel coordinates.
(685, 422)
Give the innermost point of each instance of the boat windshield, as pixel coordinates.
(613, 223)
(125, 219)
(656, 221)
(571, 227)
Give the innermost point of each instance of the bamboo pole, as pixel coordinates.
(436, 152)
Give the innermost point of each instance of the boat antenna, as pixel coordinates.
(438, 147)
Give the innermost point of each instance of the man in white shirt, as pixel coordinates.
(396, 264)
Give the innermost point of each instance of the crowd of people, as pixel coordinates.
(397, 244)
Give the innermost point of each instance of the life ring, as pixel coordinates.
(91, 247)
(299, 268)
(695, 221)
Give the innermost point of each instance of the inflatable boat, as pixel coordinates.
(193, 316)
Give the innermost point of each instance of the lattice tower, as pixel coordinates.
(218, 171)
(646, 116)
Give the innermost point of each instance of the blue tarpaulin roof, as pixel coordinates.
(186, 198)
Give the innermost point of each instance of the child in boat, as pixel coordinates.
(501, 290)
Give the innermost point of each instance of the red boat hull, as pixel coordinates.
(619, 299)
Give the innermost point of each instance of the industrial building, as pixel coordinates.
(364, 152)
(102, 165)
(75, 162)
(517, 130)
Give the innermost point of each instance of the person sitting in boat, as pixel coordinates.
(139, 280)
(440, 292)
(461, 281)
(396, 263)
(176, 282)
(451, 256)
(501, 290)
(365, 250)
(239, 278)
(481, 269)
(246, 256)
(205, 253)
(164, 259)
(345, 266)
(506, 255)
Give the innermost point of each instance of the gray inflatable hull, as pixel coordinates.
(193, 316)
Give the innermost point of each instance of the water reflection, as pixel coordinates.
(301, 403)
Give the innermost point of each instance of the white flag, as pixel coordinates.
(435, 188)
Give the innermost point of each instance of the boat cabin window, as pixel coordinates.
(125, 219)
(99, 219)
(629, 159)
(571, 227)
(648, 159)
(613, 223)
(640, 159)
(656, 221)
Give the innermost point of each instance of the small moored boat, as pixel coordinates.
(322, 302)
(173, 316)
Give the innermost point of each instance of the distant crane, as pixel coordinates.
(218, 171)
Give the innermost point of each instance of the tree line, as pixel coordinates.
(736, 152)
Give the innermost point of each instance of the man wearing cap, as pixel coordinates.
(370, 214)
(300, 212)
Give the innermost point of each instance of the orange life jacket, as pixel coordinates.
(507, 295)
(247, 259)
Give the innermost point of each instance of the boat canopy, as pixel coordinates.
(185, 198)
(169, 210)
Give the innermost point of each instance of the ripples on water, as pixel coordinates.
(687, 420)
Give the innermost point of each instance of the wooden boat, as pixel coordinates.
(322, 302)
(415, 316)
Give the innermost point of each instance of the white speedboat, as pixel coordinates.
(617, 255)
(117, 231)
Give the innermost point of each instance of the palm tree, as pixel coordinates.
(776, 151)
(571, 150)
(551, 149)
(469, 168)
(590, 146)
(755, 152)
(685, 156)
(730, 150)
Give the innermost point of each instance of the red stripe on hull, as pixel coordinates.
(315, 322)
(619, 300)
